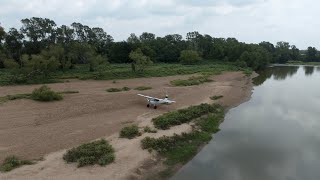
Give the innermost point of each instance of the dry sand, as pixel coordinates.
(32, 129)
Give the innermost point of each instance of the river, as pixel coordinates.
(273, 136)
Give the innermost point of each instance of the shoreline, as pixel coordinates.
(131, 161)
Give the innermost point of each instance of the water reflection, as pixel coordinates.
(308, 70)
(274, 136)
(278, 73)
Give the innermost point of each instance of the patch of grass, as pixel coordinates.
(247, 72)
(28, 96)
(44, 93)
(114, 90)
(14, 97)
(142, 88)
(302, 63)
(148, 129)
(194, 80)
(118, 89)
(130, 131)
(216, 97)
(177, 148)
(97, 152)
(13, 162)
(126, 89)
(181, 148)
(210, 123)
(181, 116)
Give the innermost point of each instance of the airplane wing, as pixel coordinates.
(148, 97)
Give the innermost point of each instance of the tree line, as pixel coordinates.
(44, 47)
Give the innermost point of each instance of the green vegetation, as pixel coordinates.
(139, 60)
(189, 57)
(126, 89)
(130, 132)
(40, 51)
(181, 116)
(142, 88)
(13, 162)
(181, 148)
(114, 90)
(302, 63)
(118, 89)
(97, 152)
(148, 129)
(194, 80)
(44, 93)
(177, 148)
(216, 97)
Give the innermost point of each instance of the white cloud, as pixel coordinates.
(247, 20)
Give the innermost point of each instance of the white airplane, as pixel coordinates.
(155, 101)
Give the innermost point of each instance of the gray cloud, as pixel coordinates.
(251, 21)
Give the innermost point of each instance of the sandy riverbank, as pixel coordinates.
(31, 129)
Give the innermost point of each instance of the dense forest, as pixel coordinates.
(41, 47)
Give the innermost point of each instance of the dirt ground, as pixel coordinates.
(32, 129)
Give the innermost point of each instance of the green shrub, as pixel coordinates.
(181, 116)
(125, 89)
(44, 93)
(13, 162)
(147, 129)
(210, 123)
(118, 89)
(177, 148)
(191, 81)
(216, 97)
(143, 88)
(114, 90)
(97, 152)
(130, 131)
(189, 57)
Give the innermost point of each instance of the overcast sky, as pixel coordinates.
(251, 21)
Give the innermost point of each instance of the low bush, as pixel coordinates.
(194, 80)
(118, 89)
(216, 97)
(181, 116)
(13, 162)
(147, 129)
(130, 131)
(210, 123)
(143, 88)
(97, 152)
(177, 148)
(126, 88)
(114, 90)
(44, 93)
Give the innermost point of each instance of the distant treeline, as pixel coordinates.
(41, 43)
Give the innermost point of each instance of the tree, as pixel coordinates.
(2, 35)
(139, 60)
(311, 54)
(189, 57)
(283, 52)
(41, 33)
(145, 37)
(13, 43)
(58, 52)
(118, 52)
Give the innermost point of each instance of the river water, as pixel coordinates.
(273, 136)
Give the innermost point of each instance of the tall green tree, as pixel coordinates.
(311, 54)
(13, 43)
(139, 60)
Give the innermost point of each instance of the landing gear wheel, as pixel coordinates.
(148, 105)
(155, 107)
